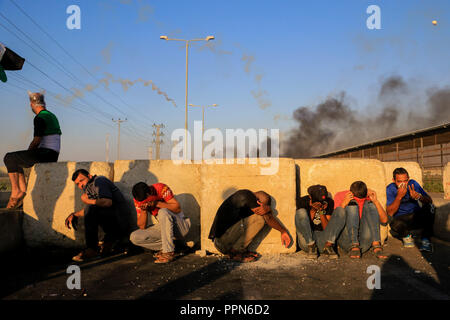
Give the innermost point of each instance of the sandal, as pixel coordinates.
(15, 203)
(165, 257)
(378, 251)
(157, 254)
(243, 257)
(355, 252)
(85, 255)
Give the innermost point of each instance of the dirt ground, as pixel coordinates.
(407, 274)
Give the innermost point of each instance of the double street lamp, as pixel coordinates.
(186, 105)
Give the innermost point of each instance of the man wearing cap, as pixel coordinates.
(45, 147)
(317, 225)
(364, 215)
(158, 200)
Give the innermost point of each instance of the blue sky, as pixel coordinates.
(294, 53)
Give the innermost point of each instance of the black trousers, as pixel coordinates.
(402, 226)
(106, 218)
(16, 161)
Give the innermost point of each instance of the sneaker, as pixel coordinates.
(408, 242)
(329, 252)
(312, 251)
(426, 245)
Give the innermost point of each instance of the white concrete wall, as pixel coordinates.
(446, 181)
(222, 180)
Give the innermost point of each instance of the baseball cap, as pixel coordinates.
(318, 193)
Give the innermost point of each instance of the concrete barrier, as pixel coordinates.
(11, 235)
(442, 217)
(184, 180)
(51, 197)
(338, 174)
(446, 181)
(219, 181)
(413, 168)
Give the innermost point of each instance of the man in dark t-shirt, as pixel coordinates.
(45, 147)
(239, 219)
(317, 225)
(105, 207)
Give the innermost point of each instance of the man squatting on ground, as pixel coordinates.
(45, 147)
(317, 225)
(158, 200)
(405, 213)
(239, 219)
(364, 214)
(105, 207)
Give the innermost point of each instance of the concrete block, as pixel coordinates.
(183, 179)
(446, 181)
(11, 235)
(413, 168)
(338, 174)
(219, 181)
(442, 217)
(51, 197)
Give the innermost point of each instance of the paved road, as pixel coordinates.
(407, 274)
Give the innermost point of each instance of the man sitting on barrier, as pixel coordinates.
(405, 214)
(44, 148)
(158, 200)
(239, 219)
(317, 225)
(105, 207)
(364, 214)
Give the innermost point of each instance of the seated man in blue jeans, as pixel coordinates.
(364, 214)
(317, 225)
(405, 213)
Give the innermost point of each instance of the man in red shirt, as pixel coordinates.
(158, 200)
(364, 214)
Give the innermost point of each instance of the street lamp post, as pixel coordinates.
(203, 119)
(186, 105)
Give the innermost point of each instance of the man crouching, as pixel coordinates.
(158, 200)
(239, 219)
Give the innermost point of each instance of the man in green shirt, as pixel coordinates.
(45, 147)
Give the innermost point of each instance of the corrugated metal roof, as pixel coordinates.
(417, 133)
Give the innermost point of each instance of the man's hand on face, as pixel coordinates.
(402, 189)
(148, 205)
(262, 209)
(285, 239)
(348, 197)
(372, 195)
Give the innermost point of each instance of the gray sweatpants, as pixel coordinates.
(161, 235)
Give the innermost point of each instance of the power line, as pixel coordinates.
(71, 56)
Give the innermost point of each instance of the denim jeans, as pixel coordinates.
(307, 237)
(362, 232)
(106, 218)
(161, 235)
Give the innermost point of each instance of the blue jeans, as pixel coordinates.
(307, 237)
(362, 232)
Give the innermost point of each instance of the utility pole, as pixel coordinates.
(157, 141)
(119, 121)
(107, 147)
